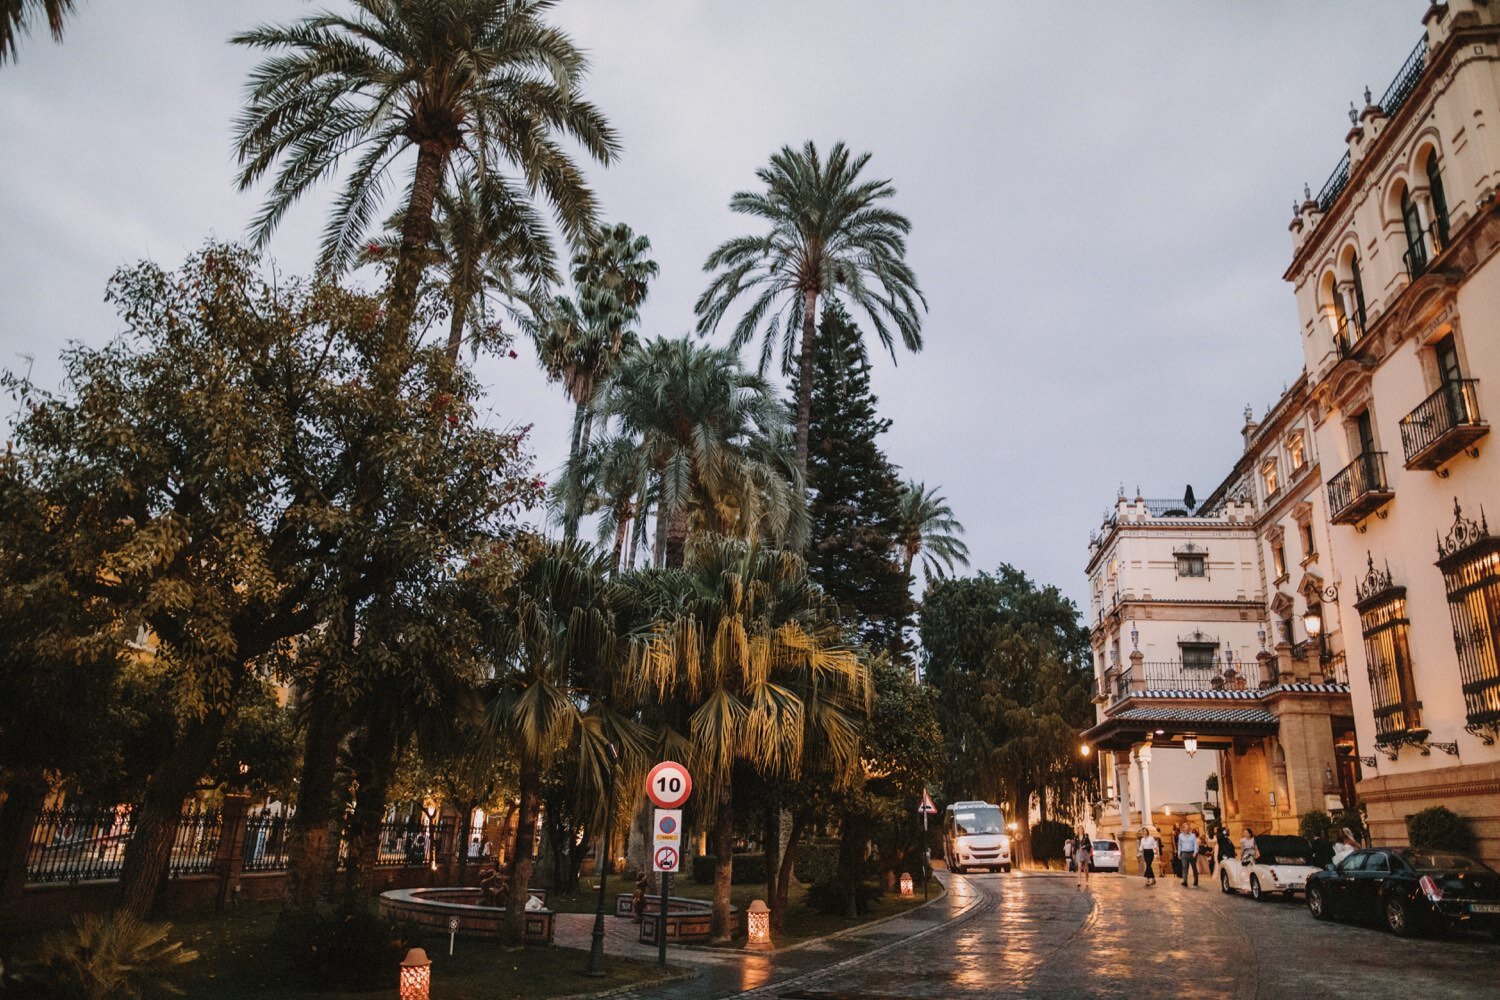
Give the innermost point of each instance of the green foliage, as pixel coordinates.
(1317, 823)
(111, 956)
(354, 949)
(749, 869)
(832, 897)
(1440, 829)
(18, 17)
(854, 495)
(816, 863)
(1047, 839)
(929, 529)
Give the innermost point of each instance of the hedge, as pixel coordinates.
(1440, 829)
(749, 869)
(816, 863)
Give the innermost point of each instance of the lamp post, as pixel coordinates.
(1312, 618)
(596, 946)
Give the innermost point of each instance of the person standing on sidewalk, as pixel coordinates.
(1083, 856)
(1187, 850)
(1149, 846)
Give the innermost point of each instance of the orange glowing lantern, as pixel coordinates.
(758, 925)
(906, 884)
(416, 975)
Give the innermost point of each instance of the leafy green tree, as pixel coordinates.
(747, 643)
(692, 408)
(486, 83)
(18, 16)
(854, 495)
(830, 234)
(1010, 664)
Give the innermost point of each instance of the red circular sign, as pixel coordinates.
(666, 859)
(669, 784)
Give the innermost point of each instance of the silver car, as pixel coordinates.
(1106, 856)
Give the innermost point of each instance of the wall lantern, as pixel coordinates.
(1135, 638)
(1190, 744)
(1260, 634)
(1312, 620)
(906, 884)
(416, 975)
(1084, 749)
(758, 923)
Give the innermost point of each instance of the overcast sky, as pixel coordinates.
(1099, 193)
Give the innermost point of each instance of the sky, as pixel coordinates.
(1099, 194)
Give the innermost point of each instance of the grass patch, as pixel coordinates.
(239, 961)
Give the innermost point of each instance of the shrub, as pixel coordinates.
(1047, 839)
(1440, 829)
(1317, 823)
(352, 949)
(816, 863)
(1351, 819)
(829, 897)
(749, 869)
(111, 956)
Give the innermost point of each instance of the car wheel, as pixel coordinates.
(1316, 905)
(1005, 869)
(1398, 917)
(1224, 882)
(1255, 890)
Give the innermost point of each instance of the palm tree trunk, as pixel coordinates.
(308, 847)
(571, 479)
(719, 925)
(771, 845)
(150, 848)
(456, 327)
(416, 235)
(523, 856)
(805, 377)
(622, 531)
(677, 532)
(778, 900)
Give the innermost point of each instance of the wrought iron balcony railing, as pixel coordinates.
(1359, 489)
(1443, 424)
(1349, 338)
(1421, 252)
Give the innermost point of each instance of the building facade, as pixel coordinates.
(1398, 292)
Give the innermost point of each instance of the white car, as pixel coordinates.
(1106, 856)
(1281, 864)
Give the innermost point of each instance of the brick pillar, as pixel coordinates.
(1137, 671)
(17, 822)
(229, 860)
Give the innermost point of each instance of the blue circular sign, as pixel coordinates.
(668, 824)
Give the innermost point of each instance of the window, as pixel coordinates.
(1411, 222)
(1269, 478)
(1296, 450)
(1278, 560)
(1382, 618)
(1309, 546)
(1359, 291)
(1439, 199)
(1191, 565)
(1199, 655)
(1469, 558)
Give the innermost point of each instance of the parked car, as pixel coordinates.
(1408, 890)
(1280, 864)
(1106, 856)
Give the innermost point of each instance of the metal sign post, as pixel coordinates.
(452, 930)
(926, 808)
(668, 785)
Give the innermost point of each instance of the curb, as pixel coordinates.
(680, 976)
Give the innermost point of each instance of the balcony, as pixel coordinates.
(1420, 253)
(1443, 425)
(1349, 341)
(1359, 489)
(1174, 675)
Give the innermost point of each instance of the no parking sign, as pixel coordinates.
(666, 840)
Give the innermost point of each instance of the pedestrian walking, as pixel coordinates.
(1083, 857)
(1225, 845)
(1068, 853)
(1176, 853)
(1149, 846)
(1187, 850)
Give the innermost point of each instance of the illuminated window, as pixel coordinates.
(1297, 452)
(1269, 477)
(1386, 630)
(1470, 561)
(1278, 560)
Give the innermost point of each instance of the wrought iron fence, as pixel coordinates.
(1406, 79)
(1360, 478)
(1454, 405)
(266, 842)
(411, 844)
(1174, 675)
(77, 842)
(1334, 185)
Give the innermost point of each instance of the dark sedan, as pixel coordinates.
(1408, 890)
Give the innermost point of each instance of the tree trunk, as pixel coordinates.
(25, 794)
(1020, 813)
(622, 532)
(376, 772)
(779, 898)
(677, 532)
(771, 837)
(456, 327)
(155, 824)
(850, 843)
(465, 831)
(805, 377)
(719, 923)
(572, 476)
(307, 847)
(523, 856)
(416, 235)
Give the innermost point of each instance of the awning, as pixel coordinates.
(1165, 724)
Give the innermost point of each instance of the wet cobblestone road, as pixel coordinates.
(1035, 935)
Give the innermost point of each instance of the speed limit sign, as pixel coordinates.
(669, 784)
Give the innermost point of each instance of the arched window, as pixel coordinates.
(1439, 199)
(1416, 247)
(1359, 291)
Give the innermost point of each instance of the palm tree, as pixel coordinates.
(615, 482)
(829, 235)
(692, 408)
(749, 644)
(558, 650)
(16, 20)
(485, 82)
(929, 529)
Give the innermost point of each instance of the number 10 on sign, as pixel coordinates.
(669, 784)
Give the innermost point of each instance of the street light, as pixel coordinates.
(1084, 749)
(596, 946)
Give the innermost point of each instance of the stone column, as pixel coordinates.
(1137, 671)
(1143, 756)
(1122, 788)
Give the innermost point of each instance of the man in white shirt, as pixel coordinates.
(1187, 850)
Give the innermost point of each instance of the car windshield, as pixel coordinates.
(972, 822)
(1106, 845)
(1282, 850)
(1441, 861)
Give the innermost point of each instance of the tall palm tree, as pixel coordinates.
(692, 408)
(16, 20)
(615, 482)
(486, 82)
(929, 529)
(829, 235)
(748, 642)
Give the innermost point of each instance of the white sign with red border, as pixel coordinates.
(669, 784)
(666, 840)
